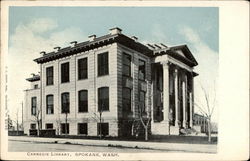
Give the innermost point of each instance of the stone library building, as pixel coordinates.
(109, 85)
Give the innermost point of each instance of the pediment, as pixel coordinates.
(180, 52)
(183, 51)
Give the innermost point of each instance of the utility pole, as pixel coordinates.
(17, 121)
(22, 116)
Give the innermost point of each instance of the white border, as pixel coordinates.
(233, 140)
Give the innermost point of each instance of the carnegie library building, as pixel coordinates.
(108, 85)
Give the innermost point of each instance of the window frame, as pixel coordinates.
(124, 99)
(103, 100)
(103, 64)
(126, 65)
(51, 105)
(32, 125)
(36, 86)
(79, 102)
(49, 75)
(63, 103)
(79, 128)
(46, 126)
(82, 72)
(144, 76)
(102, 124)
(142, 101)
(65, 72)
(63, 129)
(33, 106)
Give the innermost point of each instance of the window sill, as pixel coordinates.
(82, 79)
(83, 112)
(98, 76)
(105, 111)
(142, 80)
(48, 85)
(49, 113)
(82, 134)
(65, 82)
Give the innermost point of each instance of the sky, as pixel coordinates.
(36, 29)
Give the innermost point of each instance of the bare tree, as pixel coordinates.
(38, 121)
(98, 118)
(207, 109)
(145, 120)
(58, 123)
(10, 124)
(145, 123)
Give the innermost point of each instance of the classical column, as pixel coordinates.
(176, 97)
(184, 102)
(165, 92)
(190, 107)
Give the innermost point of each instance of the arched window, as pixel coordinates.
(103, 99)
(65, 102)
(83, 101)
(49, 104)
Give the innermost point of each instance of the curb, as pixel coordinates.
(193, 148)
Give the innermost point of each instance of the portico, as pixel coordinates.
(173, 84)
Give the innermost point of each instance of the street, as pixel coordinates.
(25, 146)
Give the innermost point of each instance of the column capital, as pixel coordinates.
(165, 64)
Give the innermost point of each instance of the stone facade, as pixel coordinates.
(167, 84)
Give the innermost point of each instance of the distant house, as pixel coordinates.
(118, 76)
(201, 121)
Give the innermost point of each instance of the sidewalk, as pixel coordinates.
(199, 148)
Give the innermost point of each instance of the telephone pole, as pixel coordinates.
(22, 116)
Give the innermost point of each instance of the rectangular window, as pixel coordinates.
(142, 100)
(83, 68)
(49, 76)
(50, 104)
(103, 64)
(49, 126)
(65, 102)
(65, 128)
(36, 86)
(142, 69)
(103, 99)
(65, 72)
(83, 101)
(83, 128)
(126, 64)
(32, 126)
(33, 105)
(103, 128)
(126, 99)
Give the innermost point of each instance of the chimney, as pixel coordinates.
(134, 38)
(43, 52)
(151, 46)
(115, 30)
(157, 46)
(163, 45)
(92, 37)
(73, 43)
(57, 48)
